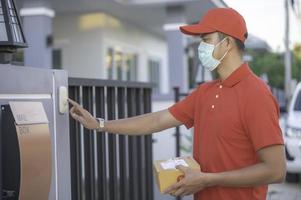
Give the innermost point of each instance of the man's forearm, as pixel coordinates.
(137, 125)
(259, 174)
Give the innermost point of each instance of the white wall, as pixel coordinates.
(164, 147)
(81, 49)
(84, 39)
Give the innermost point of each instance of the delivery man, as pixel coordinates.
(237, 139)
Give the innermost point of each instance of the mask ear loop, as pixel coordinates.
(221, 41)
(226, 51)
(224, 56)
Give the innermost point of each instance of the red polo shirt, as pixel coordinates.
(232, 120)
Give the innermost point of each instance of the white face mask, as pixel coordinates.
(205, 52)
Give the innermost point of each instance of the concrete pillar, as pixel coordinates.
(177, 42)
(37, 26)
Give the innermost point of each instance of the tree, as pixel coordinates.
(296, 63)
(272, 64)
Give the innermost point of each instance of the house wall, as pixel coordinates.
(84, 39)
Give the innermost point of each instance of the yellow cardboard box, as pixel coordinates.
(166, 173)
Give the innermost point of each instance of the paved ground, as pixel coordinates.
(285, 191)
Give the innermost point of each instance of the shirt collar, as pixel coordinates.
(235, 77)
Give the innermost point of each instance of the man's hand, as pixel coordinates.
(83, 116)
(193, 181)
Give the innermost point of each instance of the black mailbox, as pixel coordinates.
(25, 151)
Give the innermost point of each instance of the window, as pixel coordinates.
(3, 33)
(121, 65)
(191, 73)
(154, 73)
(131, 67)
(109, 63)
(57, 58)
(297, 105)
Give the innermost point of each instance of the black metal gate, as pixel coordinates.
(109, 166)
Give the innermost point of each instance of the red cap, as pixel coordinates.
(225, 20)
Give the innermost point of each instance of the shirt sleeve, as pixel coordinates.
(184, 110)
(262, 121)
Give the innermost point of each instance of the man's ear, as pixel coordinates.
(230, 42)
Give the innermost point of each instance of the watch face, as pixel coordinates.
(101, 122)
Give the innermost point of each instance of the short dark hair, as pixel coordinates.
(240, 45)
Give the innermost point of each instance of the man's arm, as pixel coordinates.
(142, 124)
(271, 169)
(138, 125)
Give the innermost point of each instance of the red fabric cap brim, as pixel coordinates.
(196, 29)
